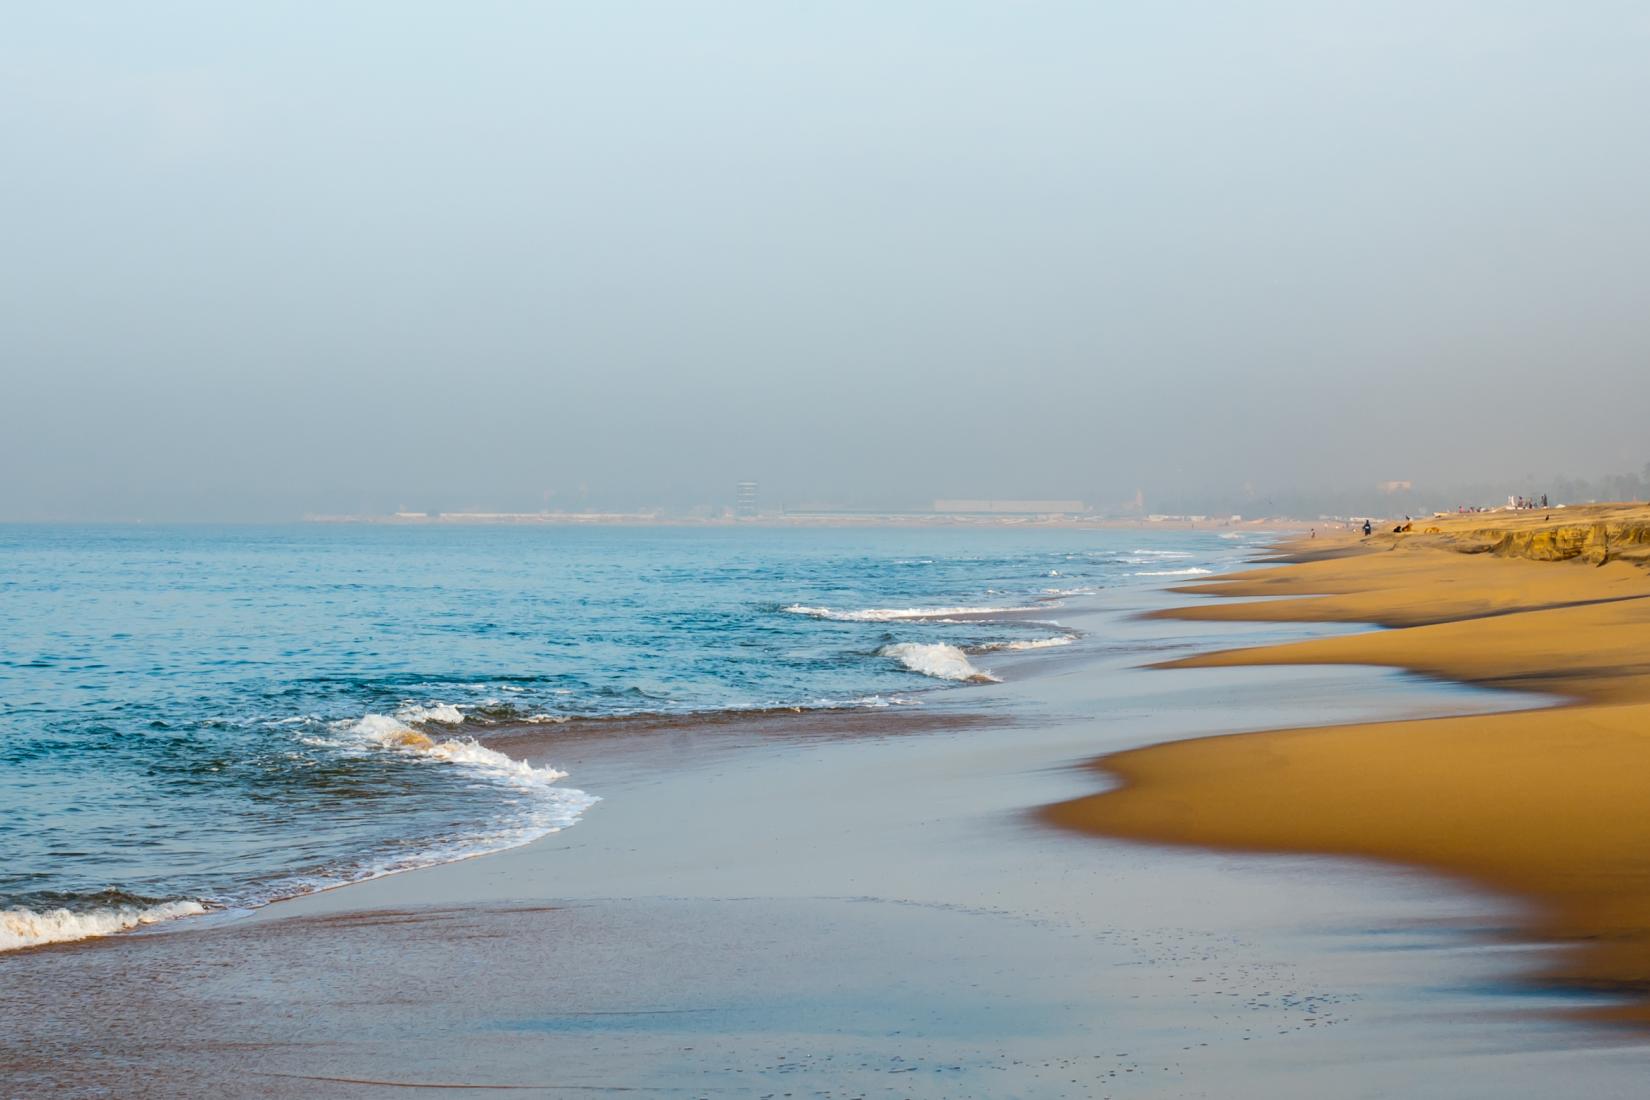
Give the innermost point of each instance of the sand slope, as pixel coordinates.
(1551, 804)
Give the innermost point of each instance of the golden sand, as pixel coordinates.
(1551, 805)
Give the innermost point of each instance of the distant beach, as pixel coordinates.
(1076, 518)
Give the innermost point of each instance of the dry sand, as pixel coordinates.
(1548, 805)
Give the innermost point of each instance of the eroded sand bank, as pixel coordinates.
(1548, 805)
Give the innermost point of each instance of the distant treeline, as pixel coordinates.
(1615, 487)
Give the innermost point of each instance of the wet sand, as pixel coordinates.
(1546, 806)
(851, 905)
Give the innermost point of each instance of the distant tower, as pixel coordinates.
(745, 499)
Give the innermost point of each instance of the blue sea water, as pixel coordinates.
(198, 717)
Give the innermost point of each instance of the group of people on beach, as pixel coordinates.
(1520, 503)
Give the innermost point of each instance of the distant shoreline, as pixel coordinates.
(819, 519)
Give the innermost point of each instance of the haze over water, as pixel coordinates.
(522, 255)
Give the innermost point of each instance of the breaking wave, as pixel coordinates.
(445, 713)
(936, 659)
(1193, 571)
(895, 614)
(31, 928)
(392, 733)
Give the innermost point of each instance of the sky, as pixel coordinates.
(268, 260)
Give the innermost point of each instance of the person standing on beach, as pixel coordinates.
(1367, 529)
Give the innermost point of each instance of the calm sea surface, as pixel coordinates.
(197, 717)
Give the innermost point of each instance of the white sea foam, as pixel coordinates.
(1030, 643)
(895, 614)
(548, 808)
(445, 713)
(539, 809)
(1193, 571)
(393, 733)
(1080, 590)
(861, 703)
(30, 928)
(943, 662)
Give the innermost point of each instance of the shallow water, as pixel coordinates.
(199, 717)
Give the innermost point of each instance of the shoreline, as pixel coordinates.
(871, 912)
(1541, 804)
(525, 739)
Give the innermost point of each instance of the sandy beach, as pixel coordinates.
(1544, 806)
(868, 904)
(806, 550)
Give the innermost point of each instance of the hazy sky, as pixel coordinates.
(267, 259)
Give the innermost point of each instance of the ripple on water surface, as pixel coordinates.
(204, 717)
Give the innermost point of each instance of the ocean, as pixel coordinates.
(208, 718)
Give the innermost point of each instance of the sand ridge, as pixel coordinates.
(1547, 804)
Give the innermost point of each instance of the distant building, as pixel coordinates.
(744, 500)
(1011, 507)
